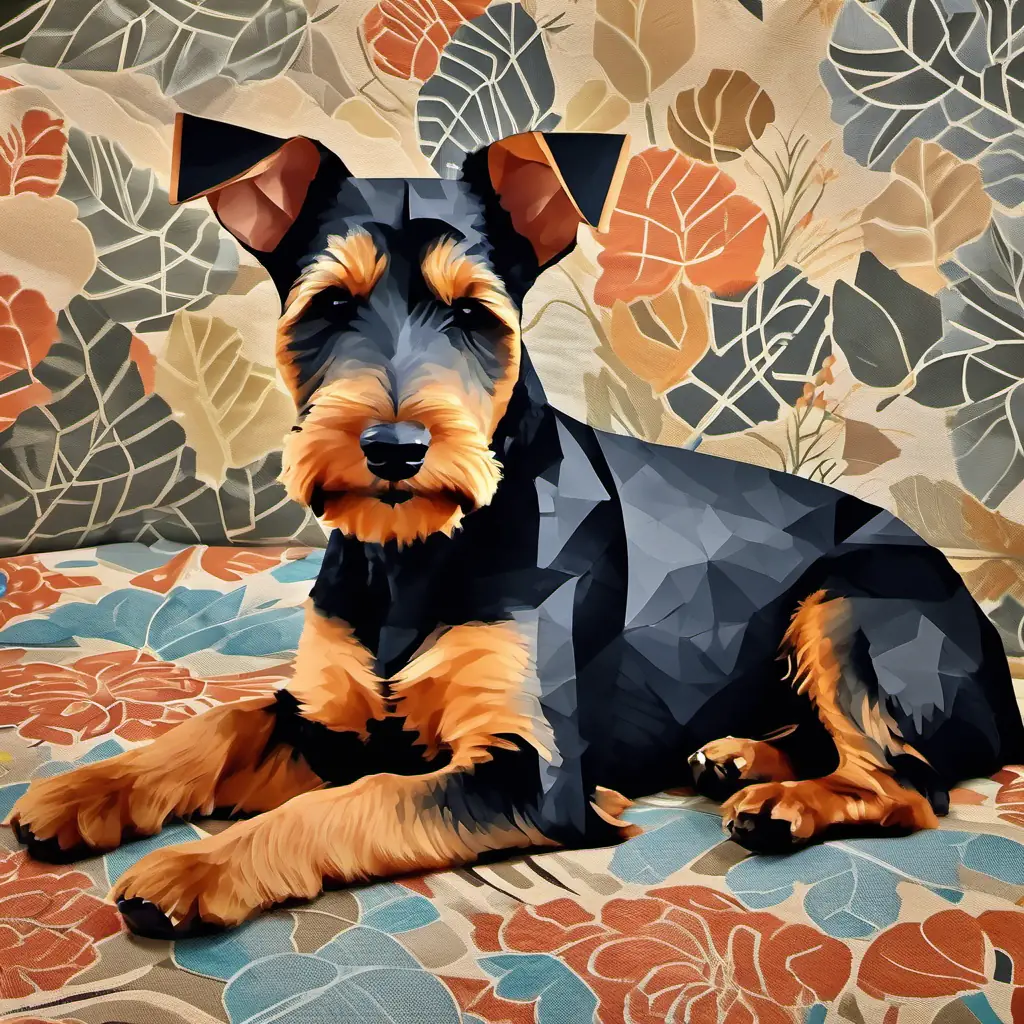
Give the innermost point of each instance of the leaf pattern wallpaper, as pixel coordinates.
(816, 264)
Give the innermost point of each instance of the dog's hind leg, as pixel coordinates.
(866, 788)
(722, 767)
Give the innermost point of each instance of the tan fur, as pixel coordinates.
(459, 461)
(380, 826)
(755, 760)
(466, 692)
(334, 679)
(451, 275)
(212, 760)
(350, 262)
(461, 694)
(610, 805)
(862, 788)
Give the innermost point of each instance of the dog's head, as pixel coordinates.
(399, 337)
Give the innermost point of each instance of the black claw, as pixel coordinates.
(49, 851)
(761, 833)
(716, 781)
(148, 921)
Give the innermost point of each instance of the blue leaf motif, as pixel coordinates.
(225, 954)
(493, 80)
(392, 908)
(135, 557)
(853, 885)
(301, 569)
(360, 975)
(183, 622)
(932, 69)
(524, 977)
(671, 840)
(122, 616)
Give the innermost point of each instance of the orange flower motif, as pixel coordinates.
(28, 327)
(950, 953)
(32, 154)
(406, 37)
(49, 925)
(681, 953)
(676, 213)
(26, 585)
(128, 693)
(1010, 798)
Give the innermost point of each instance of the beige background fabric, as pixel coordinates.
(797, 298)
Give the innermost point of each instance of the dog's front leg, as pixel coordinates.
(380, 826)
(463, 696)
(221, 758)
(237, 757)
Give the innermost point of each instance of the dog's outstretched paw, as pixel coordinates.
(770, 818)
(148, 921)
(49, 851)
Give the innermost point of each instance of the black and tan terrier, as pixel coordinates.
(522, 622)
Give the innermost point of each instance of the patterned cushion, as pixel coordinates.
(104, 648)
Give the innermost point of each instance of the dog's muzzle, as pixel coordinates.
(395, 451)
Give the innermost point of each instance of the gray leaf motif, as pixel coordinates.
(493, 80)
(932, 69)
(882, 324)
(103, 461)
(977, 368)
(1008, 617)
(83, 467)
(765, 346)
(152, 258)
(182, 45)
(250, 507)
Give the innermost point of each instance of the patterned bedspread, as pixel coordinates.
(104, 648)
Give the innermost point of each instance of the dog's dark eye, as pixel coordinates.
(333, 304)
(472, 315)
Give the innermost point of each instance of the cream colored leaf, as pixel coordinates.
(667, 36)
(231, 409)
(46, 246)
(984, 546)
(642, 43)
(934, 203)
(365, 119)
(595, 108)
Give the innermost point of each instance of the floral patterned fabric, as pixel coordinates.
(104, 648)
(816, 264)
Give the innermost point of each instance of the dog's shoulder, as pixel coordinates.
(677, 487)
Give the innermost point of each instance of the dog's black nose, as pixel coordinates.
(395, 451)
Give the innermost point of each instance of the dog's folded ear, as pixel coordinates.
(551, 182)
(255, 183)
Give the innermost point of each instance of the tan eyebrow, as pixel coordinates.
(451, 274)
(351, 262)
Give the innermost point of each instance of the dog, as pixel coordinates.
(522, 623)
